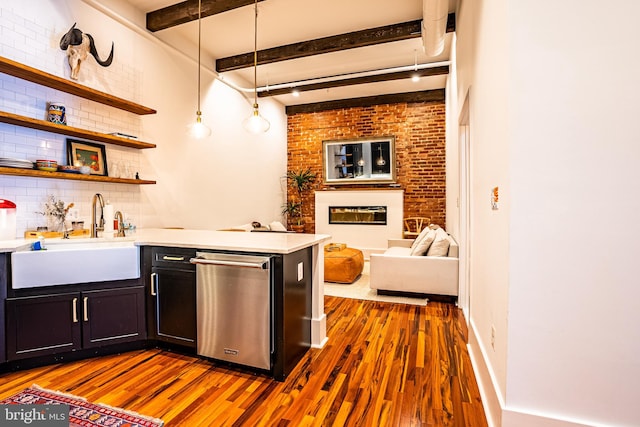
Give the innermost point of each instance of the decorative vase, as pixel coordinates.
(55, 224)
(57, 113)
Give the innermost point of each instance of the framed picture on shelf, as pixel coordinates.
(82, 153)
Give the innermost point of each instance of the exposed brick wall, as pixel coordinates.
(419, 129)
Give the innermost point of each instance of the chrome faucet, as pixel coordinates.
(95, 227)
(118, 216)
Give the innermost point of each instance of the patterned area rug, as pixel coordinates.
(81, 412)
(360, 290)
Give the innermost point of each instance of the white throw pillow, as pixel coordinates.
(440, 246)
(420, 236)
(423, 245)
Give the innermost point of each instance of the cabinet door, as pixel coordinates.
(113, 316)
(4, 273)
(42, 325)
(175, 298)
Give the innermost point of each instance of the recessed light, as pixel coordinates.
(415, 78)
(295, 93)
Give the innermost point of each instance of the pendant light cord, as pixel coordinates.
(199, 40)
(255, 56)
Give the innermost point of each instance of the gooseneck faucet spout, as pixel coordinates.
(118, 217)
(97, 226)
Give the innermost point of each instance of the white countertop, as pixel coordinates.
(280, 243)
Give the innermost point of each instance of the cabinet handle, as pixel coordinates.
(172, 258)
(86, 309)
(154, 278)
(74, 311)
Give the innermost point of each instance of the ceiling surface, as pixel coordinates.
(284, 22)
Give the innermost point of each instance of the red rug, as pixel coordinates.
(81, 412)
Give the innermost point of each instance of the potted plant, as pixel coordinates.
(291, 210)
(300, 181)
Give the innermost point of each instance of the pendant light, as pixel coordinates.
(381, 161)
(255, 123)
(199, 130)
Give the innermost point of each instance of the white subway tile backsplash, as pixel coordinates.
(32, 43)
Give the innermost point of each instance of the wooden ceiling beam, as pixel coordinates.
(426, 72)
(187, 11)
(368, 37)
(437, 95)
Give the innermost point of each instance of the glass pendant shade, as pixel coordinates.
(380, 161)
(255, 123)
(198, 130)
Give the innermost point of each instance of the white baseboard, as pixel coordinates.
(319, 331)
(498, 415)
(512, 418)
(491, 399)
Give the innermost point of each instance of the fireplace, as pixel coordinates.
(362, 219)
(358, 215)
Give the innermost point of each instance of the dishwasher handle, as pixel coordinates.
(262, 265)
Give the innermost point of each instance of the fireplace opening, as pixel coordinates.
(361, 215)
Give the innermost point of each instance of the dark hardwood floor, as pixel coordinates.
(384, 365)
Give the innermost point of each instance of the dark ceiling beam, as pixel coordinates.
(187, 11)
(368, 37)
(426, 72)
(437, 95)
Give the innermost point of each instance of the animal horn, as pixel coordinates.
(65, 41)
(94, 52)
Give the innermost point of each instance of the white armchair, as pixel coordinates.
(396, 270)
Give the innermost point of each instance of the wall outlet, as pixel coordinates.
(73, 214)
(300, 271)
(493, 337)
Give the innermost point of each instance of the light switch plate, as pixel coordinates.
(494, 198)
(73, 214)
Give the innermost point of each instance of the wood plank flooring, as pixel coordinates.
(384, 365)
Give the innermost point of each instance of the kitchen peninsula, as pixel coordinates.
(256, 242)
(159, 307)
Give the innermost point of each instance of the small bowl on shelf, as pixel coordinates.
(69, 168)
(47, 165)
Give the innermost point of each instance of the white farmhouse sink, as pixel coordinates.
(66, 262)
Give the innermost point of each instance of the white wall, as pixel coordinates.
(552, 88)
(482, 74)
(574, 297)
(232, 178)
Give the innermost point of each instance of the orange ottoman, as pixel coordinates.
(342, 264)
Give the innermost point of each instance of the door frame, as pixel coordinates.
(464, 163)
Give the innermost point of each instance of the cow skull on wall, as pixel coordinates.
(78, 45)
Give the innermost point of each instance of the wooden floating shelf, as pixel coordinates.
(72, 176)
(44, 125)
(34, 75)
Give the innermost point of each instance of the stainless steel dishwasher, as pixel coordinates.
(234, 308)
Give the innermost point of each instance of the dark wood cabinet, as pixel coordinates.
(4, 283)
(172, 289)
(112, 316)
(175, 295)
(58, 323)
(42, 325)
